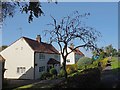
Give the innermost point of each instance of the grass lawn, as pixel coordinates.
(115, 62)
(24, 87)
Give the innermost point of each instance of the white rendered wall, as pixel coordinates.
(19, 54)
(71, 56)
(41, 63)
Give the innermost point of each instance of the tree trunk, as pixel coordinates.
(64, 67)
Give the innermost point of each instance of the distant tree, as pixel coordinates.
(70, 29)
(114, 52)
(3, 47)
(106, 52)
(109, 50)
(32, 8)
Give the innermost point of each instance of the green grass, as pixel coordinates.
(24, 87)
(115, 63)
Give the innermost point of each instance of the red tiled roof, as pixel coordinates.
(41, 47)
(77, 51)
(53, 61)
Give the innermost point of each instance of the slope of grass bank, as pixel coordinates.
(115, 62)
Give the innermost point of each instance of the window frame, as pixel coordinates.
(68, 60)
(42, 69)
(21, 70)
(41, 56)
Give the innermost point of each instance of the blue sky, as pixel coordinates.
(104, 18)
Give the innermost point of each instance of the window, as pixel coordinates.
(41, 69)
(21, 69)
(68, 60)
(41, 56)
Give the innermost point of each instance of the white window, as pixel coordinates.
(41, 69)
(68, 60)
(41, 56)
(21, 69)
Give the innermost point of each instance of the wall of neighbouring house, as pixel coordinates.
(19, 54)
(71, 57)
(43, 62)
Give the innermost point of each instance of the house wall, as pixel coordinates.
(43, 62)
(0, 75)
(19, 54)
(71, 57)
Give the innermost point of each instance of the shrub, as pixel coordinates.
(104, 62)
(69, 71)
(71, 68)
(83, 62)
(45, 75)
(61, 73)
(53, 71)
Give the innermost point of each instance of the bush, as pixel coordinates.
(45, 75)
(69, 71)
(104, 62)
(53, 71)
(83, 62)
(61, 73)
(71, 68)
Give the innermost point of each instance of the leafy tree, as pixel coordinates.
(105, 52)
(109, 50)
(114, 52)
(83, 62)
(3, 47)
(32, 8)
(69, 29)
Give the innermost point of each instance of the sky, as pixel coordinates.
(103, 17)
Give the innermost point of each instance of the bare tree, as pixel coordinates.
(69, 29)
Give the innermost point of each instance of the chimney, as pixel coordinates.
(38, 38)
(72, 45)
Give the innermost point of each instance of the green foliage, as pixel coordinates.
(84, 62)
(71, 69)
(33, 9)
(53, 71)
(115, 62)
(104, 62)
(46, 75)
(106, 52)
(61, 73)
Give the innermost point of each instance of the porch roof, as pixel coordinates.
(53, 61)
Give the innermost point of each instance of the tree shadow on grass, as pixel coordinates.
(89, 78)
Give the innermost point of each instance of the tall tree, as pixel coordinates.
(71, 28)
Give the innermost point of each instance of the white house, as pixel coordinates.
(73, 57)
(2, 60)
(28, 59)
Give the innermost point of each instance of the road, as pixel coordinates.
(109, 78)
